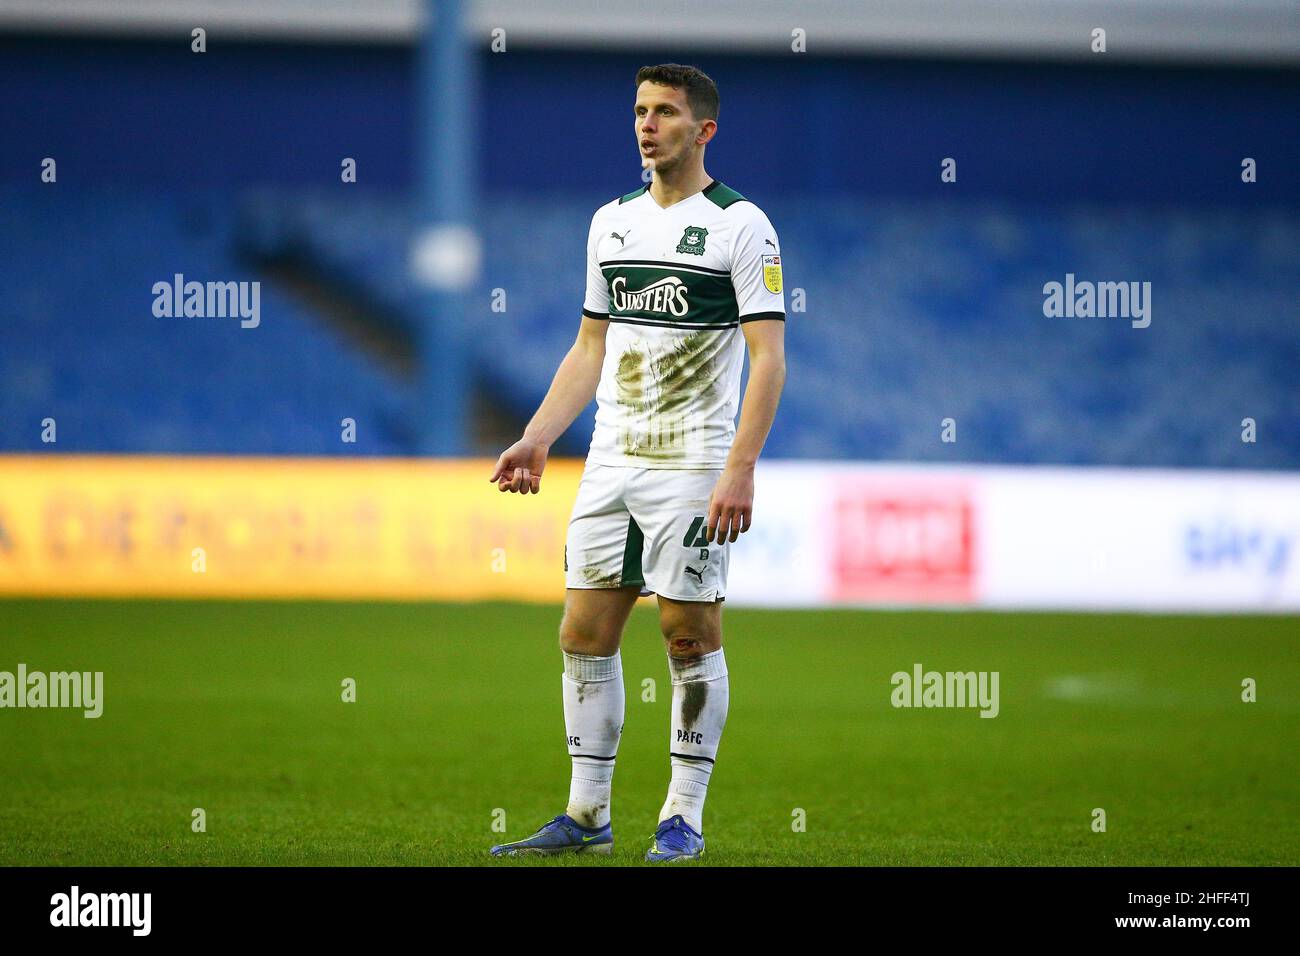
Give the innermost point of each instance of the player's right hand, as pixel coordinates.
(520, 467)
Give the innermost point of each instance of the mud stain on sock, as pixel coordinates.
(697, 692)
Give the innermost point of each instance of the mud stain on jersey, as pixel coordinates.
(681, 376)
(687, 372)
(631, 381)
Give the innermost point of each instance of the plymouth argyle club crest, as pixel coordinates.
(692, 240)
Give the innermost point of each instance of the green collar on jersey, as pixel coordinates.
(718, 193)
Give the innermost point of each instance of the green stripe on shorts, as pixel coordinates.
(632, 573)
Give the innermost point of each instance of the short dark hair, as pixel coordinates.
(701, 91)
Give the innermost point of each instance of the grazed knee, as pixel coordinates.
(689, 641)
(685, 646)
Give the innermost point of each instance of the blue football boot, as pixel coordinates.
(561, 835)
(675, 840)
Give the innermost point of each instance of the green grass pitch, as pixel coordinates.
(236, 708)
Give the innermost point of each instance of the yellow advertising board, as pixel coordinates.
(279, 527)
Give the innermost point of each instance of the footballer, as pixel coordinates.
(683, 277)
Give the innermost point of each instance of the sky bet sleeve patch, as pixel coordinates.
(772, 273)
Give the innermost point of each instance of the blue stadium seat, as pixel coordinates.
(915, 312)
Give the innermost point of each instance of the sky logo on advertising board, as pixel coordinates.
(1227, 544)
(913, 545)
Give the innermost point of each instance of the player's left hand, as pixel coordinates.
(731, 505)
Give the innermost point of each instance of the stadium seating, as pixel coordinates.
(914, 311)
(85, 348)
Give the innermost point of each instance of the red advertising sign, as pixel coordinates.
(911, 544)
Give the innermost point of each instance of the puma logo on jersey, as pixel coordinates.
(699, 574)
(614, 235)
(770, 243)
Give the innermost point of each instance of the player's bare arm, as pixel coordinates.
(520, 467)
(731, 505)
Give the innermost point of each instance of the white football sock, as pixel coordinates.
(700, 694)
(593, 721)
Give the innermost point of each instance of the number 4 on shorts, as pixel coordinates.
(695, 536)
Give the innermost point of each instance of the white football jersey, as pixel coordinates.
(675, 284)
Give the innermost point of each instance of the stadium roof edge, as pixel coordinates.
(1253, 32)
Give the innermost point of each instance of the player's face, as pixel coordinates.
(665, 129)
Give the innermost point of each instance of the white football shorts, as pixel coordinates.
(645, 526)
